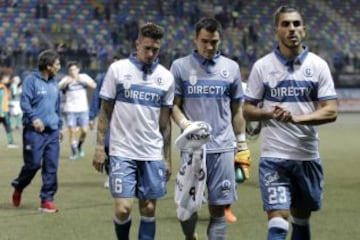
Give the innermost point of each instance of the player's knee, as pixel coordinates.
(34, 166)
(278, 223)
(147, 208)
(122, 210)
(84, 131)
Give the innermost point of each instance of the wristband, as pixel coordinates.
(241, 137)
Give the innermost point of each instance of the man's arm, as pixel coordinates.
(243, 156)
(238, 120)
(177, 114)
(254, 113)
(326, 112)
(106, 110)
(87, 80)
(64, 82)
(165, 129)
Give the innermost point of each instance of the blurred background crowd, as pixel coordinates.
(94, 31)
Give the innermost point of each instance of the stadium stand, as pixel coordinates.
(94, 30)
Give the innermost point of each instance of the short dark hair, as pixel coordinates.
(46, 58)
(285, 9)
(151, 30)
(209, 24)
(72, 63)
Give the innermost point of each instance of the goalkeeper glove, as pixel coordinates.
(242, 162)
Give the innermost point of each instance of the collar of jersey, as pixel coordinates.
(298, 60)
(146, 68)
(205, 61)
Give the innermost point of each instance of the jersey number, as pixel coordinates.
(277, 195)
(118, 185)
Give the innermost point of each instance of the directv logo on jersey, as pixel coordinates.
(142, 95)
(290, 91)
(205, 89)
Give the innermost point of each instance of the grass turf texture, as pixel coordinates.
(86, 208)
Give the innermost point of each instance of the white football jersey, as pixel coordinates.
(296, 86)
(134, 127)
(76, 94)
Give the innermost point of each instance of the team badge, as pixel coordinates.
(193, 78)
(225, 187)
(159, 81)
(272, 81)
(308, 72)
(273, 78)
(127, 81)
(224, 73)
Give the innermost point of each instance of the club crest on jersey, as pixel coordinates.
(273, 78)
(127, 81)
(224, 73)
(159, 81)
(193, 77)
(272, 82)
(308, 72)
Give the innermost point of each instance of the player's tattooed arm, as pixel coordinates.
(165, 129)
(106, 110)
(103, 124)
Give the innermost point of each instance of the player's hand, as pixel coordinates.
(61, 135)
(281, 114)
(243, 160)
(168, 169)
(38, 125)
(99, 159)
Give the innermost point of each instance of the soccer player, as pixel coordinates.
(297, 92)
(4, 108)
(14, 104)
(208, 88)
(40, 103)
(137, 97)
(94, 110)
(76, 107)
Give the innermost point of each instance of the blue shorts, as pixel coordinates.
(220, 180)
(130, 178)
(287, 184)
(77, 119)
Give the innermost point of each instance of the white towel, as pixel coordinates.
(191, 178)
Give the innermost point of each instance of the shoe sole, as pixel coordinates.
(46, 210)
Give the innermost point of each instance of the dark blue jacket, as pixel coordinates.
(40, 98)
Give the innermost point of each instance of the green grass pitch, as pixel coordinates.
(86, 208)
